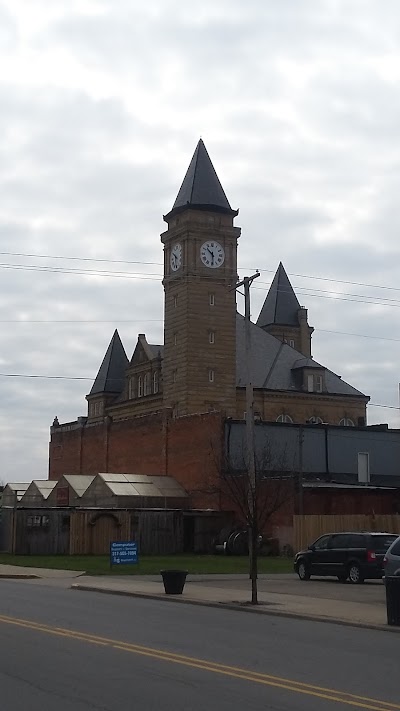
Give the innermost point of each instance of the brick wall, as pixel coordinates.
(187, 448)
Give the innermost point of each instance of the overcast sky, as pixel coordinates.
(102, 103)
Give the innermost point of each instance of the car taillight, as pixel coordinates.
(371, 556)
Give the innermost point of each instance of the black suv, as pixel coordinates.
(356, 556)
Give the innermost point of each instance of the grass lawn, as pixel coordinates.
(150, 565)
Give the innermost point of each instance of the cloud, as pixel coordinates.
(100, 113)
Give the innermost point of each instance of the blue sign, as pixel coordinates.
(123, 552)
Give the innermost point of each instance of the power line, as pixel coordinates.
(68, 377)
(153, 276)
(127, 261)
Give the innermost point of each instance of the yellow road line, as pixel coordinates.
(214, 667)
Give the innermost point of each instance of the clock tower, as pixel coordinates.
(200, 273)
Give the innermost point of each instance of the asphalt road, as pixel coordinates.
(75, 651)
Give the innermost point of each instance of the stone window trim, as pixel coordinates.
(211, 299)
(211, 337)
(211, 375)
(346, 422)
(96, 408)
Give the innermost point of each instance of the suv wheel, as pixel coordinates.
(302, 571)
(355, 575)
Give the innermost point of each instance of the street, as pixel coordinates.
(76, 651)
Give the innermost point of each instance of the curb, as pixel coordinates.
(16, 576)
(238, 607)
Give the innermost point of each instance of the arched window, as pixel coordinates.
(147, 384)
(140, 386)
(285, 418)
(346, 422)
(155, 381)
(315, 421)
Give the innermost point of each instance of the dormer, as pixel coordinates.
(144, 373)
(309, 376)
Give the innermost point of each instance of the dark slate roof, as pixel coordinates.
(201, 188)
(273, 363)
(281, 304)
(157, 351)
(111, 375)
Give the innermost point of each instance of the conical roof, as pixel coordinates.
(281, 305)
(201, 188)
(111, 375)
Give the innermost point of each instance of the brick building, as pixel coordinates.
(163, 411)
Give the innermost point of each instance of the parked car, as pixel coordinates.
(355, 556)
(391, 561)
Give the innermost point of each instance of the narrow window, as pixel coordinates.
(175, 302)
(210, 376)
(318, 383)
(211, 337)
(131, 389)
(291, 342)
(310, 383)
(175, 339)
(363, 468)
(174, 375)
(155, 382)
(211, 299)
(140, 386)
(147, 384)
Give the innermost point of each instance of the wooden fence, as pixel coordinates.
(91, 533)
(306, 529)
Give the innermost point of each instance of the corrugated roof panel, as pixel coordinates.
(122, 488)
(148, 489)
(45, 487)
(79, 482)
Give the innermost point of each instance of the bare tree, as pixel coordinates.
(255, 499)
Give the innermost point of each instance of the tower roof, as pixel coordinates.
(111, 375)
(281, 304)
(201, 188)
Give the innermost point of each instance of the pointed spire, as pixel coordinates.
(111, 375)
(201, 188)
(281, 305)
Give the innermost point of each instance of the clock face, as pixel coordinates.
(176, 257)
(212, 254)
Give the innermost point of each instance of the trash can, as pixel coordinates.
(174, 581)
(392, 584)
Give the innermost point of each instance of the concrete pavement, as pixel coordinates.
(284, 595)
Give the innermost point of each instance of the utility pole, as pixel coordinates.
(250, 460)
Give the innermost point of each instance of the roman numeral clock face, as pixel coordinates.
(212, 254)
